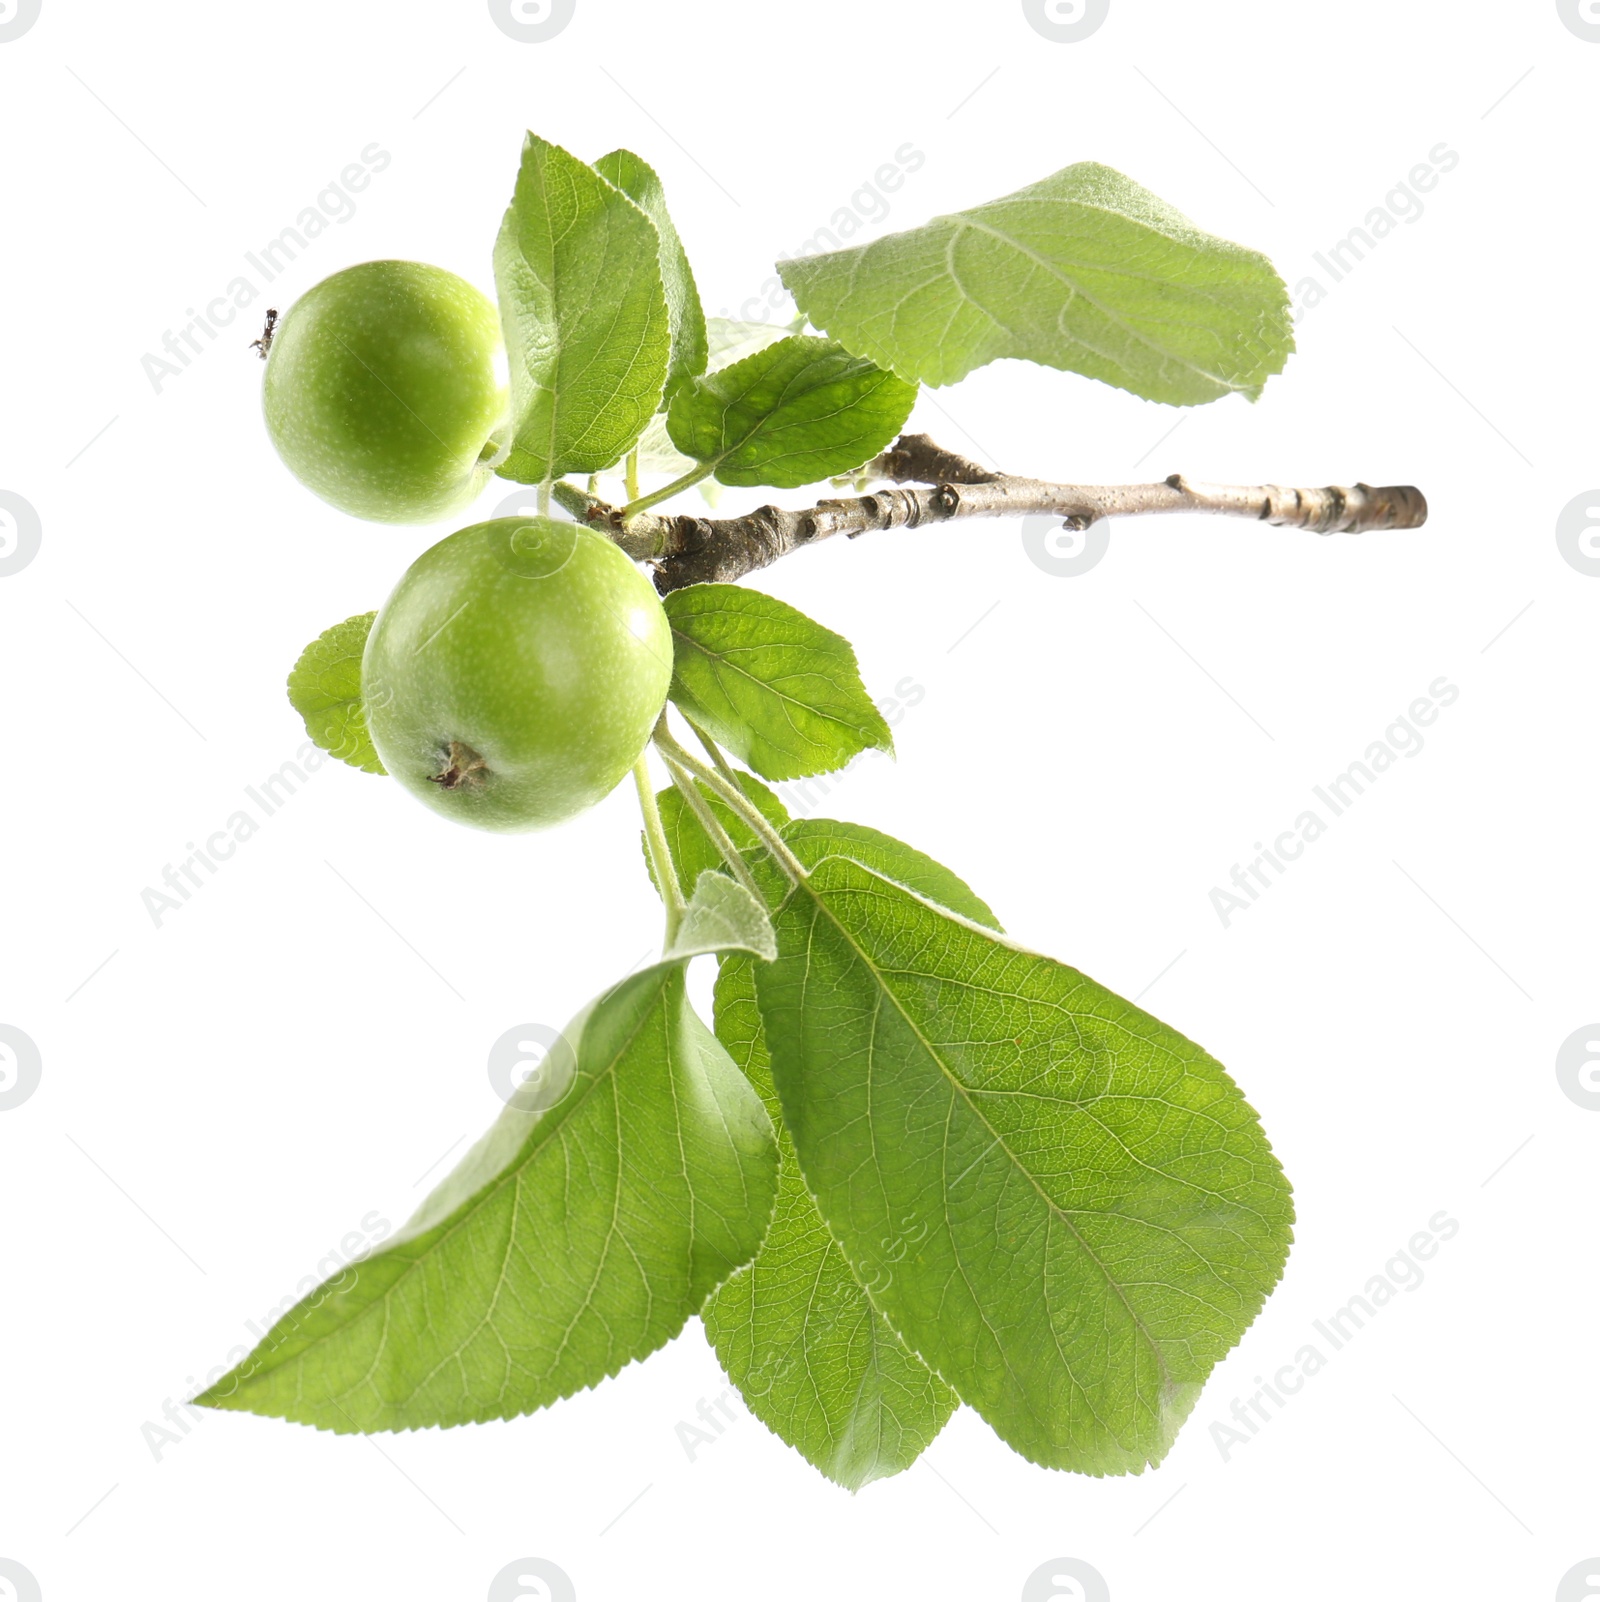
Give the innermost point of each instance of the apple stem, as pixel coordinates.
(697, 804)
(666, 492)
(737, 801)
(656, 842)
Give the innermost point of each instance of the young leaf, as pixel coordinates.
(723, 916)
(578, 269)
(779, 691)
(577, 1236)
(800, 410)
(325, 689)
(1084, 270)
(1061, 1205)
(727, 341)
(638, 181)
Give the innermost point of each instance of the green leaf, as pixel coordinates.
(727, 341)
(687, 322)
(588, 338)
(692, 851)
(723, 916)
(1065, 1208)
(781, 692)
(795, 1331)
(800, 410)
(1085, 271)
(325, 689)
(577, 1236)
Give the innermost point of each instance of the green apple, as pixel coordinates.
(384, 391)
(516, 672)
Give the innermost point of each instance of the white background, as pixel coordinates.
(227, 1096)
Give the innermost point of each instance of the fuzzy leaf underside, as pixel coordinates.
(1085, 271)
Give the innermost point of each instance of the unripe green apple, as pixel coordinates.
(514, 675)
(383, 391)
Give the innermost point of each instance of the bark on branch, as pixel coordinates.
(702, 550)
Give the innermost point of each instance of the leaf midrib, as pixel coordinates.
(509, 1175)
(961, 1092)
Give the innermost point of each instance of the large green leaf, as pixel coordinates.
(781, 692)
(794, 1330)
(325, 689)
(1065, 1208)
(588, 336)
(578, 1235)
(800, 410)
(1084, 270)
(638, 181)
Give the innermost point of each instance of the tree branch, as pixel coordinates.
(701, 550)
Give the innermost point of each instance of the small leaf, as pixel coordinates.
(781, 692)
(577, 1236)
(325, 689)
(800, 410)
(638, 181)
(1062, 1206)
(723, 916)
(577, 265)
(1084, 270)
(727, 341)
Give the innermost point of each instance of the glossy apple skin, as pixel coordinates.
(383, 391)
(515, 674)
